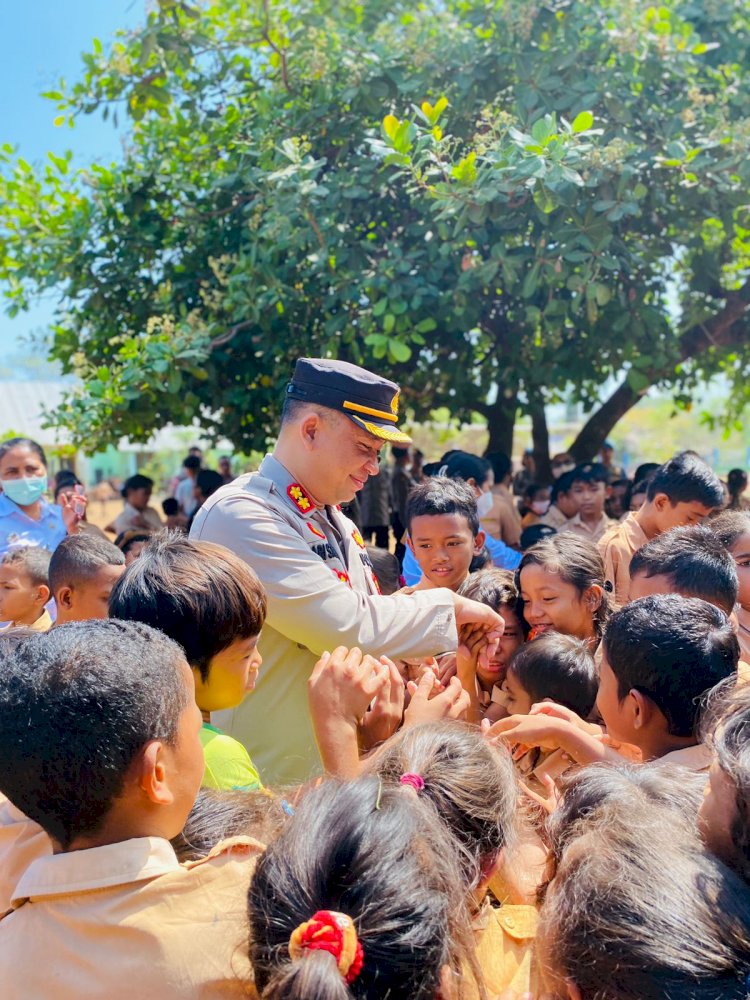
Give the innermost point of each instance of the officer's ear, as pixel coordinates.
(310, 428)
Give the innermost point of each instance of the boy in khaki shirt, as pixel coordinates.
(682, 491)
(101, 748)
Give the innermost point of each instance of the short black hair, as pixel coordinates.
(170, 507)
(562, 485)
(136, 482)
(674, 650)
(34, 560)
(398, 452)
(501, 464)
(442, 496)
(533, 488)
(494, 587)
(645, 471)
(22, 442)
(687, 479)
(78, 558)
(192, 462)
(127, 539)
(208, 481)
(559, 667)
(694, 560)
(200, 594)
(535, 533)
(76, 706)
(464, 465)
(589, 472)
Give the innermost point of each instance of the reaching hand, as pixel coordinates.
(73, 509)
(386, 712)
(451, 703)
(343, 683)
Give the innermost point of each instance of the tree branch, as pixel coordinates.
(230, 334)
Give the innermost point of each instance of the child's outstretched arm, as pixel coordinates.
(339, 691)
(551, 733)
(467, 654)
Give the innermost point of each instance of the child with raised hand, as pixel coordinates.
(662, 656)
(482, 675)
(24, 588)
(361, 896)
(472, 786)
(82, 572)
(732, 528)
(636, 911)
(209, 601)
(562, 588)
(101, 747)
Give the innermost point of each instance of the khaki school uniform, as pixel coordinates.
(21, 842)
(696, 758)
(505, 950)
(555, 518)
(503, 521)
(617, 547)
(127, 921)
(592, 534)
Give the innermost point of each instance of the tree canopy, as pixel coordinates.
(493, 202)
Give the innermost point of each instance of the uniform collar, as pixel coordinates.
(7, 507)
(696, 758)
(136, 860)
(295, 493)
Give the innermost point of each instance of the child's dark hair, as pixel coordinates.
(78, 558)
(501, 464)
(170, 507)
(589, 472)
(673, 650)
(217, 815)
(560, 668)
(21, 442)
(198, 593)
(34, 560)
(136, 482)
(463, 465)
(577, 562)
(736, 482)
(76, 706)
(535, 533)
(209, 481)
(694, 560)
(532, 489)
(379, 855)
(561, 485)
(480, 560)
(687, 479)
(386, 569)
(470, 781)
(127, 539)
(729, 526)
(494, 587)
(442, 496)
(191, 462)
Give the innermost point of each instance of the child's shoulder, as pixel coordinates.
(228, 764)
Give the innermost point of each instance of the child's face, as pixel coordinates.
(90, 598)
(741, 555)
(20, 600)
(511, 639)
(551, 604)
(717, 814)
(515, 699)
(669, 515)
(232, 674)
(590, 497)
(444, 546)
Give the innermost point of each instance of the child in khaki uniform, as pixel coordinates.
(24, 588)
(104, 714)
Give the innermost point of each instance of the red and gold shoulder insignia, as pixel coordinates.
(358, 539)
(377, 584)
(344, 577)
(299, 498)
(316, 531)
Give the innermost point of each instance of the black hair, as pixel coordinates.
(501, 464)
(687, 479)
(494, 587)
(191, 462)
(730, 525)
(562, 485)
(532, 488)
(645, 471)
(398, 452)
(695, 562)
(560, 668)
(77, 704)
(127, 539)
(78, 558)
(379, 854)
(64, 479)
(136, 482)
(462, 465)
(200, 594)
(34, 561)
(736, 481)
(21, 442)
(208, 481)
(673, 650)
(386, 569)
(589, 472)
(221, 813)
(170, 507)
(535, 533)
(480, 560)
(442, 496)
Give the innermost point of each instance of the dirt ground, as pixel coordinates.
(103, 512)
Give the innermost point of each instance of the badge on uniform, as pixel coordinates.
(316, 531)
(358, 539)
(344, 577)
(299, 498)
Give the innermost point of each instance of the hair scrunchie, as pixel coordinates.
(332, 932)
(415, 781)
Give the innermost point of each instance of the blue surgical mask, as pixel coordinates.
(25, 491)
(484, 504)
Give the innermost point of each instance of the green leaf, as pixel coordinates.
(398, 350)
(582, 122)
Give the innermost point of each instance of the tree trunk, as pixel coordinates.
(595, 431)
(501, 417)
(540, 440)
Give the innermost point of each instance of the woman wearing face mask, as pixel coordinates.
(26, 518)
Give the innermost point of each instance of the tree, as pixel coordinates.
(495, 203)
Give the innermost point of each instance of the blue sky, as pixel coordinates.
(42, 42)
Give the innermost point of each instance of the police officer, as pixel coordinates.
(286, 523)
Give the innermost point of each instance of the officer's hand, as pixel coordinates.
(342, 685)
(384, 716)
(477, 615)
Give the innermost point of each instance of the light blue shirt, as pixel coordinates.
(503, 556)
(17, 529)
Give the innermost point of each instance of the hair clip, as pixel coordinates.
(415, 781)
(335, 933)
(608, 586)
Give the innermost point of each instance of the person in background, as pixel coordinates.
(401, 485)
(561, 463)
(607, 459)
(536, 504)
(82, 572)
(137, 515)
(225, 469)
(589, 487)
(536, 533)
(24, 588)
(619, 496)
(417, 466)
(175, 521)
(131, 544)
(68, 486)
(564, 505)
(525, 474)
(375, 508)
(636, 497)
(503, 521)
(732, 528)
(736, 486)
(185, 492)
(26, 518)
(207, 482)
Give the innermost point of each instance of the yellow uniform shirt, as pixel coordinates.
(617, 547)
(21, 842)
(505, 951)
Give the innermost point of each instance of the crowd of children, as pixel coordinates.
(561, 812)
